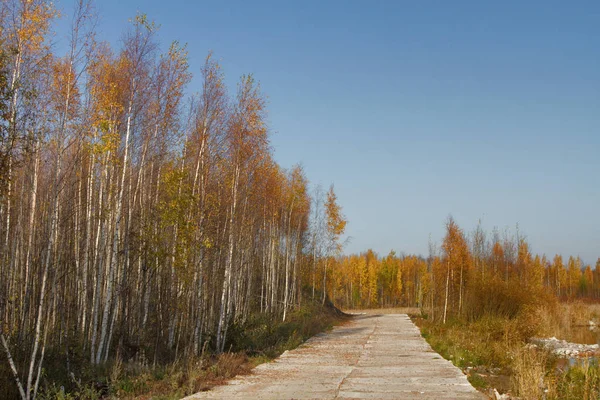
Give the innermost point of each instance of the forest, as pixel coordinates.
(468, 272)
(137, 220)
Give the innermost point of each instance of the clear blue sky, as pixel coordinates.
(419, 109)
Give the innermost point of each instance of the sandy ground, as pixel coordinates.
(374, 356)
(395, 310)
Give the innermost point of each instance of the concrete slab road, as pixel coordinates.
(371, 357)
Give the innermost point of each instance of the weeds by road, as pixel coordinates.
(493, 351)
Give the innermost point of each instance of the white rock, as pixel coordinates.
(498, 396)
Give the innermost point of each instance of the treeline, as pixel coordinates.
(136, 221)
(469, 275)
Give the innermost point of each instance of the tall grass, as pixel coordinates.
(558, 319)
(529, 367)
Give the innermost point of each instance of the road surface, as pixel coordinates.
(371, 357)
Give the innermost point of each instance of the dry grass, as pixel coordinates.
(529, 372)
(496, 345)
(558, 320)
(231, 364)
(179, 379)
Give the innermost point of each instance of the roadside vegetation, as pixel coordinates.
(258, 340)
(495, 353)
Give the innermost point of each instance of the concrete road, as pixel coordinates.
(371, 357)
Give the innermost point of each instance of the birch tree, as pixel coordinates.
(335, 228)
(136, 221)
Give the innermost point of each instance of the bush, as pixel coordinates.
(505, 299)
(262, 334)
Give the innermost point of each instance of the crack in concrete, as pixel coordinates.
(368, 337)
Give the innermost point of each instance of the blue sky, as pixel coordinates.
(417, 110)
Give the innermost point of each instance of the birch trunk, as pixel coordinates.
(116, 236)
(223, 314)
(446, 297)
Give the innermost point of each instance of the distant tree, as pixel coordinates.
(335, 228)
(573, 275)
(457, 259)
